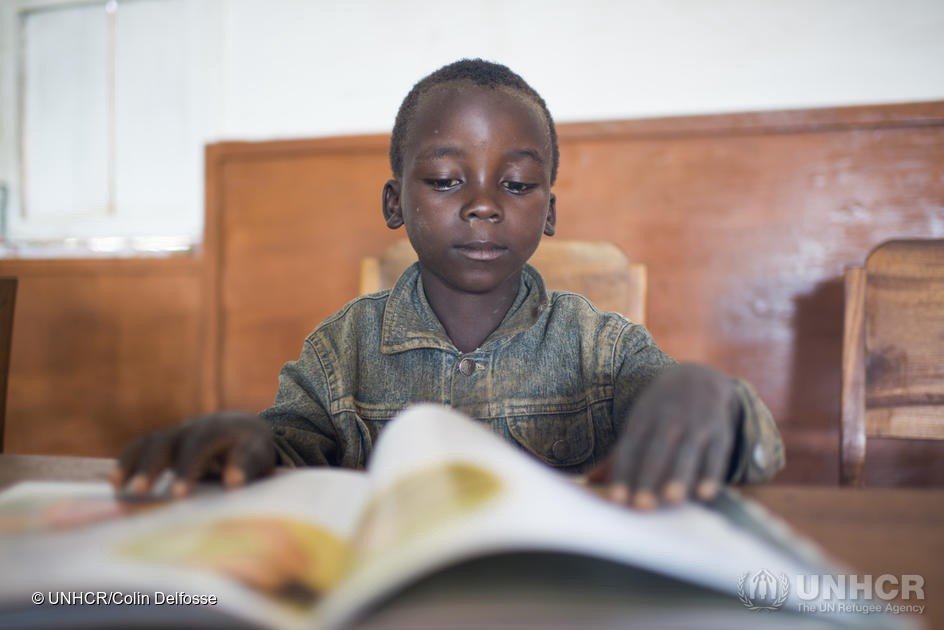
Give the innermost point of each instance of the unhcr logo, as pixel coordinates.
(763, 590)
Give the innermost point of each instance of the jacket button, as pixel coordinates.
(467, 366)
(560, 449)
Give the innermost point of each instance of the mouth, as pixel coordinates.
(481, 250)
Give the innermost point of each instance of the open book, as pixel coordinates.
(323, 546)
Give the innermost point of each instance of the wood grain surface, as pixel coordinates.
(7, 308)
(103, 350)
(852, 421)
(904, 307)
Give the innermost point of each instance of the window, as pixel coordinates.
(111, 123)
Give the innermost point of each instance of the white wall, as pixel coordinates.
(302, 68)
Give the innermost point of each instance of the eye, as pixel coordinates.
(518, 188)
(444, 184)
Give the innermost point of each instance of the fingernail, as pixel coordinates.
(138, 485)
(645, 500)
(233, 477)
(707, 489)
(619, 493)
(674, 492)
(180, 488)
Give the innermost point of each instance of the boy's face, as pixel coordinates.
(475, 192)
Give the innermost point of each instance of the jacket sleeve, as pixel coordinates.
(304, 431)
(758, 451)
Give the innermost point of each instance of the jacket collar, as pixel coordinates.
(410, 323)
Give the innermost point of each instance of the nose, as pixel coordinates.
(482, 205)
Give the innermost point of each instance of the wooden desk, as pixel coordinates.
(870, 530)
(15, 468)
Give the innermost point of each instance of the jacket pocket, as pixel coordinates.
(559, 439)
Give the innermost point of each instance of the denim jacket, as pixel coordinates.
(557, 378)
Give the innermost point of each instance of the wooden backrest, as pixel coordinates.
(893, 352)
(7, 303)
(598, 270)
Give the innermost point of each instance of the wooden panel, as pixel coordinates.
(293, 232)
(905, 325)
(103, 350)
(745, 222)
(913, 422)
(7, 307)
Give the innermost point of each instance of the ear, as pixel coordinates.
(393, 213)
(551, 216)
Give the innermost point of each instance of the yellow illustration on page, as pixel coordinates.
(292, 562)
(420, 502)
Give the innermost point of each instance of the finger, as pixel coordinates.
(621, 488)
(653, 465)
(620, 493)
(681, 476)
(198, 453)
(155, 455)
(250, 458)
(715, 461)
(128, 462)
(629, 450)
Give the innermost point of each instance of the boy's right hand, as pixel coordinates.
(236, 446)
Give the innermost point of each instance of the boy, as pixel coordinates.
(474, 155)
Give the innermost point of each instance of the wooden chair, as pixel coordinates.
(893, 350)
(598, 270)
(7, 302)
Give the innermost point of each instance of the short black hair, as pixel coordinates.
(480, 72)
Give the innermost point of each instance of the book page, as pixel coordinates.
(266, 553)
(444, 490)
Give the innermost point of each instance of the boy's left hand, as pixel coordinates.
(677, 440)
